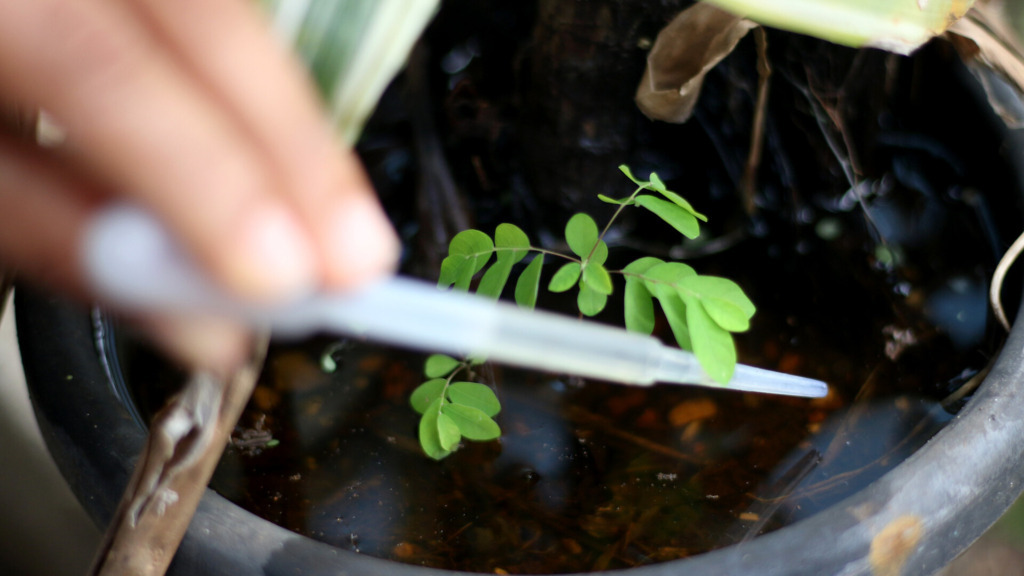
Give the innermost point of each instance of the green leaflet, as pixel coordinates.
(712, 344)
(581, 234)
(468, 253)
(723, 300)
(476, 396)
(590, 301)
(675, 313)
(430, 438)
(565, 278)
(426, 394)
(597, 277)
(638, 305)
(529, 283)
(676, 216)
(610, 200)
(629, 174)
(511, 238)
(448, 431)
(472, 423)
(439, 365)
(511, 245)
(493, 282)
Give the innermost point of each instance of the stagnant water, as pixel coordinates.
(878, 289)
(590, 475)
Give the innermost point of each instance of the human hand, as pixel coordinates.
(193, 110)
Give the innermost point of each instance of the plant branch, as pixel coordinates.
(185, 443)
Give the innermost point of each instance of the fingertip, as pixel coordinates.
(361, 243)
(271, 258)
(200, 342)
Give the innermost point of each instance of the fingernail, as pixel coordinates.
(363, 244)
(278, 259)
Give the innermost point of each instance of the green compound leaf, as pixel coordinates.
(597, 277)
(581, 234)
(529, 283)
(430, 439)
(565, 278)
(712, 344)
(439, 365)
(590, 301)
(629, 174)
(448, 431)
(473, 423)
(425, 394)
(476, 396)
(678, 217)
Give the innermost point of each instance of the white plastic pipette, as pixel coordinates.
(134, 263)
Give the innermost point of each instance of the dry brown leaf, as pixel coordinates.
(985, 42)
(692, 44)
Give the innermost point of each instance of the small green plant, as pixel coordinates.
(702, 311)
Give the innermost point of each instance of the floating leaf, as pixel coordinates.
(596, 276)
(712, 345)
(448, 431)
(590, 301)
(565, 278)
(439, 365)
(679, 218)
(529, 283)
(581, 234)
(425, 394)
(428, 433)
(476, 396)
(473, 423)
